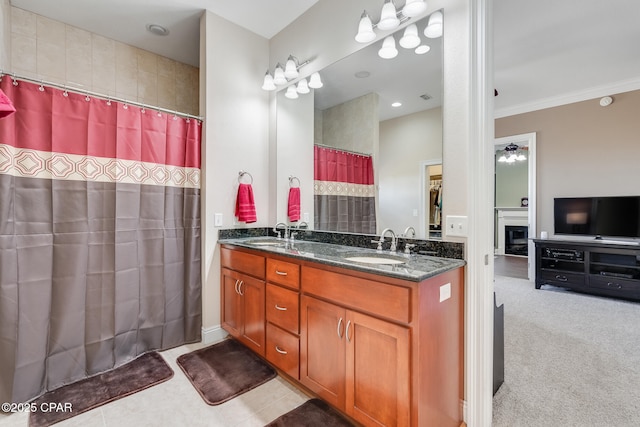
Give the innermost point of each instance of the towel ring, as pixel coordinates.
(291, 179)
(243, 173)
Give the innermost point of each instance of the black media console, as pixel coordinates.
(609, 269)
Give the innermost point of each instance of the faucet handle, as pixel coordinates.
(407, 248)
(279, 234)
(293, 235)
(379, 242)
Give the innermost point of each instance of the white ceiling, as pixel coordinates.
(546, 52)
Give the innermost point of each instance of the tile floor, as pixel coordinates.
(177, 403)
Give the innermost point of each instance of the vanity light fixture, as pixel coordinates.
(422, 49)
(281, 76)
(414, 8)
(291, 92)
(410, 38)
(315, 82)
(390, 18)
(303, 87)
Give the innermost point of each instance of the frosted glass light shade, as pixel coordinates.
(388, 18)
(278, 76)
(414, 8)
(314, 81)
(434, 27)
(268, 83)
(422, 49)
(388, 49)
(303, 87)
(365, 29)
(410, 39)
(291, 92)
(291, 68)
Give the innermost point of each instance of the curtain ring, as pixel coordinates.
(109, 101)
(143, 111)
(86, 98)
(65, 93)
(41, 88)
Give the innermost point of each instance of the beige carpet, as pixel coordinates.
(570, 359)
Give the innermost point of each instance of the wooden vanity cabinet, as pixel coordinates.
(243, 296)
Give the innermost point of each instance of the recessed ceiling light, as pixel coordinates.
(396, 104)
(422, 49)
(157, 29)
(362, 74)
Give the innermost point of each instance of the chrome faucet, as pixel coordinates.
(286, 230)
(381, 241)
(407, 230)
(306, 225)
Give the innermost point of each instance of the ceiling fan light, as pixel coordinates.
(291, 92)
(314, 81)
(502, 158)
(434, 27)
(303, 87)
(365, 29)
(291, 68)
(278, 76)
(410, 38)
(268, 83)
(414, 8)
(388, 49)
(388, 18)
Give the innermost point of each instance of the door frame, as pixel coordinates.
(423, 230)
(529, 140)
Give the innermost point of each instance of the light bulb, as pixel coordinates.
(422, 49)
(388, 18)
(414, 8)
(410, 38)
(314, 81)
(268, 82)
(502, 158)
(278, 75)
(303, 87)
(434, 27)
(388, 49)
(365, 29)
(291, 69)
(291, 92)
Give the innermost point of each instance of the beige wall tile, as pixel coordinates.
(147, 61)
(103, 64)
(78, 56)
(23, 53)
(148, 88)
(50, 31)
(127, 83)
(167, 93)
(23, 22)
(166, 67)
(5, 35)
(126, 56)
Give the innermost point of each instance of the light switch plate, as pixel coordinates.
(217, 220)
(305, 217)
(457, 225)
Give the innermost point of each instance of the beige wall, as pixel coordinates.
(49, 50)
(583, 149)
(405, 144)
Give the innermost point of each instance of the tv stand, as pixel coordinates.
(597, 266)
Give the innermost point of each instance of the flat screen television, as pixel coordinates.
(615, 216)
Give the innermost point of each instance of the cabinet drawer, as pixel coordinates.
(283, 350)
(615, 284)
(382, 299)
(282, 307)
(253, 265)
(561, 278)
(283, 273)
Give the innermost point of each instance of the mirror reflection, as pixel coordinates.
(370, 151)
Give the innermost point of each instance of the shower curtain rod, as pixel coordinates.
(342, 149)
(95, 94)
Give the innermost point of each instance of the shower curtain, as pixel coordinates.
(99, 236)
(344, 191)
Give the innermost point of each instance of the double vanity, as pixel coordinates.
(378, 335)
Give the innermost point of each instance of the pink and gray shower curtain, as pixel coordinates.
(99, 236)
(344, 191)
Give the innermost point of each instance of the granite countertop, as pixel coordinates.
(409, 267)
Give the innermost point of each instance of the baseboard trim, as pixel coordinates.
(213, 334)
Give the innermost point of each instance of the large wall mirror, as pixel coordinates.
(355, 118)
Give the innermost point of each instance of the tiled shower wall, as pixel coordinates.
(50, 50)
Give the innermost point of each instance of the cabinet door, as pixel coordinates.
(252, 297)
(322, 349)
(231, 303)
(377, 377)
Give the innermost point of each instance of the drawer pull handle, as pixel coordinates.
(281, 273)
(281, 308)
(237, 291)
(347, 331)
(280, 351)
(240, 287)
(614, 285)
(340, 328)
(561, 278)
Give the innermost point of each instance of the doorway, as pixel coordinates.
(431, 199)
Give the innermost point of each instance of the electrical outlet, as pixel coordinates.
(217, 220)
(457, 225)
(305, 217)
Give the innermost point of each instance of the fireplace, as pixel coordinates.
(516, 240)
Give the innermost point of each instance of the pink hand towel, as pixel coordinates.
(245, 205)
(293, 209)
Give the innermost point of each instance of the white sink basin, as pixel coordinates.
(375, 260)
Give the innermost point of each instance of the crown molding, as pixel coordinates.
(569, 98)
